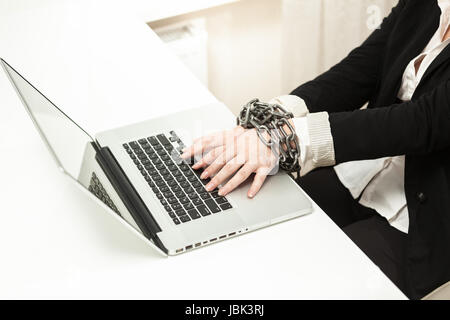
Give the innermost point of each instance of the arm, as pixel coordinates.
(416, 127)
(352, 82)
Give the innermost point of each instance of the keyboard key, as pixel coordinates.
(193, 213)
(185, 218)
(173, 136)
(126, 146)
(184, 167)
(167, 194)
(212, 205)
(184, 184)
(161, 152)
(192, 178)
(180, 179)
(159, 196)
(165, 157)
(198, 172)
(204, 211)
(177, 173)
(172, 167)
(167, 177)
(172, 200)
(176, 188)
(179, 194)
(168, 147)
(192, 195)
(157, 147)
(160, 183)
(142, 141)
(151, 184)
(200, 190)
(184, 200)
(168, 163)
(168, 208)
(205, 195)
(165, 189)
(215, 194)
(197, 202)
(172, 183)
(155, 190)
(162, 138)
(172, 214)
(163, 202)
(189, 190)
(180, 212)
(149, 166)
(226, 206)
(133, 144)
(221, 200)
(176, 206)
(153, 141)
(176, 221)
(156, 177)
(188, 206)
(196, 184)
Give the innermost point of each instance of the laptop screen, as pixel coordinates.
(66, 140)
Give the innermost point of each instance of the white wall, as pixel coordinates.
(264, 48)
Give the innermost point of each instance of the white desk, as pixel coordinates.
(105, 67)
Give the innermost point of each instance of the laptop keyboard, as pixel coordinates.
(177, 186)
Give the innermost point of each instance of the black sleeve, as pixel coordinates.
(351, 83)
(413, 128)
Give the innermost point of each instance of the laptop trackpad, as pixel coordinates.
(279, 196)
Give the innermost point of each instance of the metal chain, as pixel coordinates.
(272, 119)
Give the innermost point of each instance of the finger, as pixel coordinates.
(258, 181)
(202, 144)
(209, 158)
(228, 154)
(228, 170)
(238, 178)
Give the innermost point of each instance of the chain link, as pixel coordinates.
(272, 119)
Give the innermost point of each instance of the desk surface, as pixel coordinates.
(57, 243)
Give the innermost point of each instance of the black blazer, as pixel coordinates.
(419, 129)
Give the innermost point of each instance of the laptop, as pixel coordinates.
(138, 175)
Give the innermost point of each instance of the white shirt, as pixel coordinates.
(379, 182)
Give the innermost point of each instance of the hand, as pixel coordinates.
(237, 151)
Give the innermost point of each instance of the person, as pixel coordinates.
(382, 173)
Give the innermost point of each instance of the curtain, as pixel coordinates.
(316, 34)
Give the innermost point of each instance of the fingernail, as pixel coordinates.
(208, 187)
(204, 175)
(221, 192)
(251, 195)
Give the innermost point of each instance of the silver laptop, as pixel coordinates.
(137, 173)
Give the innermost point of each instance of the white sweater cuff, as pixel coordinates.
(316, 142)
(313, 131)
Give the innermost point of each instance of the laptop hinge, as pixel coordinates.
(128, 194)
